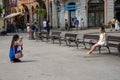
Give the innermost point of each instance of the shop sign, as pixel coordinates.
(71, 7)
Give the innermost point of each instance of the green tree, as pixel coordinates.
(43, 12)
(0, 10)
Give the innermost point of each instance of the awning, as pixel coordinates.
(12, 15)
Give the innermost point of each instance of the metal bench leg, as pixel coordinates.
(84, 45)
(99, 49)
(59, 41)
(108, 49)
(66, 42)
(76, 42)
(69, 43)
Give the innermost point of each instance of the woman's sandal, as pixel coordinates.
(88, 53)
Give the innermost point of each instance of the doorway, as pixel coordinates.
(117, 9)
(95, 13)
(71, 14)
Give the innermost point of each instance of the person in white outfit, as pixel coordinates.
(45, 24)
(101, 42)
(28, 30)
(117, 25)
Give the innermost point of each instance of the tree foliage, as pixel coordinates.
(43, 12)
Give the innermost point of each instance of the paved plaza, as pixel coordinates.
(47, 61)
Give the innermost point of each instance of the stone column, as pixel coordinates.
(54, 15)
(109, 10)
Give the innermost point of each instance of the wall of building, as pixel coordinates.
(81, 12)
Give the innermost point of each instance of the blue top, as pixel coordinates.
(12, 52)
(76, 22)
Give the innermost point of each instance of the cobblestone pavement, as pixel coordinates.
(47, 61)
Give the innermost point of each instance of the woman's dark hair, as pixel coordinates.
(103, 29)
(15, 38)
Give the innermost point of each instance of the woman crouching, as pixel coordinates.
(16, 49)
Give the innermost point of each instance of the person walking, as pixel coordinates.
(16, 48)
(101, 42)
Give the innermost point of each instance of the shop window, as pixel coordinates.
(95, 13)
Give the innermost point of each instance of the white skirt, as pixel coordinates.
(101, 42)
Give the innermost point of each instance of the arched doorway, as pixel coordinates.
(117, 9)
(27, 15)
(95, 13)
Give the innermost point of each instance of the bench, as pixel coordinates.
(91, 40)
(88, 39)
(44, 34)
(55, 36)
(69, 38)
(114, 41)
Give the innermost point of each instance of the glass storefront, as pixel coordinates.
(95, 13)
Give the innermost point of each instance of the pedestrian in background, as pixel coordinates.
(113, 23)
(44, 25)
(76, 23)
(82, 23)
(28, 30)
(48, 27)
(117, 25)
(66, 25)
(102, 41)
(35, 31)
(16, 49)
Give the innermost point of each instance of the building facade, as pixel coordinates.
(28, 8)
(30, 11)
(90, 13)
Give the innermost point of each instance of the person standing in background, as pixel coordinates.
(44, 25)
(113, 23)
(35, 34)
(48, 27)
(66, 25)
(117, 25)
(82, 23)
(28, 30)
(76, 23)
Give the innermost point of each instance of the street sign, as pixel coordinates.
(71, 7)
